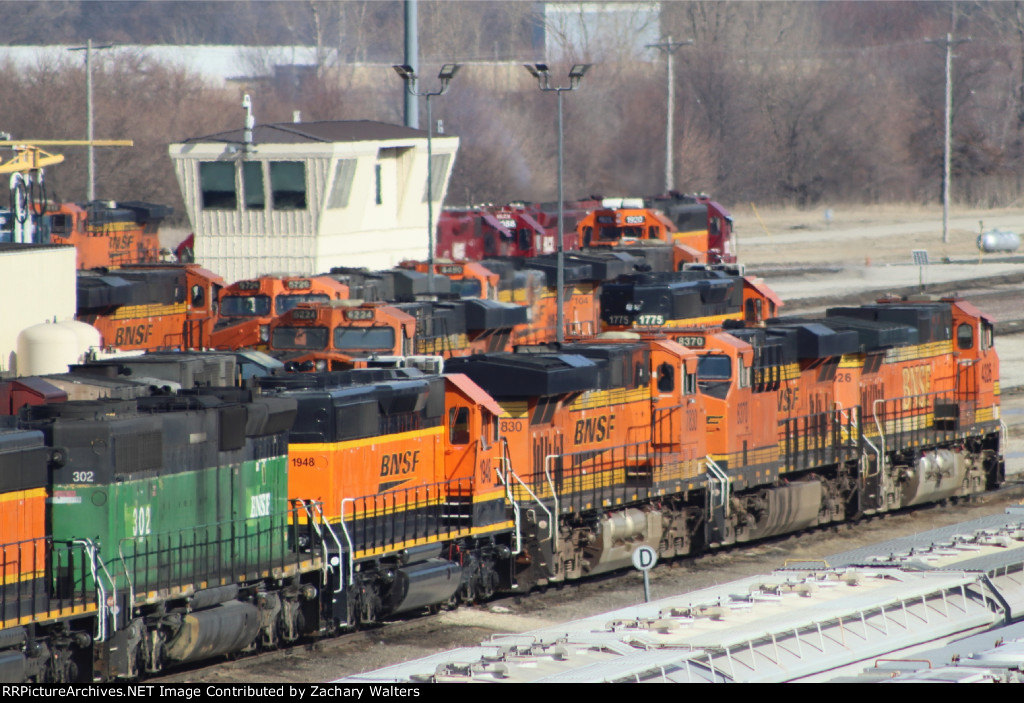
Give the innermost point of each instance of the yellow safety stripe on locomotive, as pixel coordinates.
(615, 396)
(995, 387)
(851, 361)
(24, 575)
(571, 484)
(131, 312)
(302, 566)
(987, 414)
(515, 408)
(23, 495)
(377, 511)
(924, 421)
(707, 321)
(364, 442)
(51, 615)
(755, 457)
(919, 351)
(435, 345)
(517, 295)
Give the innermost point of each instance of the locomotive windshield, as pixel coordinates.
(245, 305)
(284, 303)
(714, 368)
(467, 288)
(299, 338)
(364, 338)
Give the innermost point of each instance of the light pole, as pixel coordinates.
(88, 49)
(948, 42)
(670, 48)
(541, 72)
(445, 76)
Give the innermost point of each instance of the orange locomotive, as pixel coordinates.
(349, 334)
(697, 296)
(150, 307)
(39, 606)
(408, 469)
(107, 234)
(248, 307)
(766, 430)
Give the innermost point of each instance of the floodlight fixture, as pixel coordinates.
(405, 71)
(541, 72)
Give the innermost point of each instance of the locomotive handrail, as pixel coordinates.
(552, 535)
(506, 461)
(101, 622)
(851, 420)
(719, 475)
(533, 495)
(348, 541)
(313, 506)
(881, 433)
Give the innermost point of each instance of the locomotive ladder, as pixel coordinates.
(717, 476)
(313, 510)
(91, 550)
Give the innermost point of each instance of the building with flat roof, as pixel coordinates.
(304, 197)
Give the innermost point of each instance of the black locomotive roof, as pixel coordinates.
(933, 321)
(516, 375)
(875, 335)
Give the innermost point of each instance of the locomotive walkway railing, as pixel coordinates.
(405, 517)
(40, 576)
(160, 565)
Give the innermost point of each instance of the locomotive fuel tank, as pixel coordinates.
(618, 535)
(422, 584)
(225, 628)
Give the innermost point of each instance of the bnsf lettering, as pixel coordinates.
(139, 334)
(788, 399)
(593, 429)
(399, 463)
(917, 382)
(121, 242)
(259, 505)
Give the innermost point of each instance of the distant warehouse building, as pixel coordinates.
(304, 197)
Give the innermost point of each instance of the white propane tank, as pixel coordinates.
(46, 348)
(88, 337)
(998, 240)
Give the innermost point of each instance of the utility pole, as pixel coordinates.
(88, 49)
(949, 43)
(670, 47)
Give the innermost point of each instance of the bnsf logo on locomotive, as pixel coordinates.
(917, 381)
(139, 334)
(121, 242)
(399, 463)
(593, 429)
(259, 505)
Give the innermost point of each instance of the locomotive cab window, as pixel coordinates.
(524, 238)
(458, 425)
(715, 367)
(987, 335)
(489, 428)
(744, 374)
(689, 383)
(965, 336)
(666, 378)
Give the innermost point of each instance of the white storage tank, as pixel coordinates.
(88, 337)
(46, 348)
